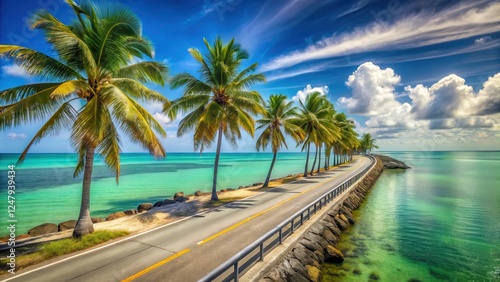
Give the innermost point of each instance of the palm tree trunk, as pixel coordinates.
(314, 163)
(327, 161)
(266, 183)
(319, 157)
(84, 225)
(307, 159)
(216, 166)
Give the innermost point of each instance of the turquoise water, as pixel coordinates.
(439, 221)
(46, 191)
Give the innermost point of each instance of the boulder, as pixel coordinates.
(130, 212)
(298, 267)
(333, 255)
(340, 223)
(198, 193)
(43, 229)
(181, 199)
(329, 236)
(168, 202)
(301, 254)
(66, 225)
(144, 207)
(274, 276)
(97, 219)
(344, 218)
(115, 215)
(313, 273)
(178, 194)
(158, 204)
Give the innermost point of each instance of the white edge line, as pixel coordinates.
(133, 236)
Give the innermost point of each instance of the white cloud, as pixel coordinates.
(448, 103)
(482, 40)
(15, 136)
(302, 94)
(450, 97)
(162, 118)
(462, 20)
(372, 90)
(281, 75)
(15, 70)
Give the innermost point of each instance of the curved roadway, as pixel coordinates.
(188, 249)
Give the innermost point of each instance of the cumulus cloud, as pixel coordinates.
(15, 70)
(463, 20)
(372, 90)
(448, 103)
(15, 136)
(451, 97)
(302, 94)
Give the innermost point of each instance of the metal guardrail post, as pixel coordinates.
(236, 273)
(262, 251)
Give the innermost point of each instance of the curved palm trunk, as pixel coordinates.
(319, 156)
(216, 166)
(314, 163)
(266, 183)
(307, 159)
(84, 225)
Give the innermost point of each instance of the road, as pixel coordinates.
(188, 249)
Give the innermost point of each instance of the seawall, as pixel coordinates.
(302, 261)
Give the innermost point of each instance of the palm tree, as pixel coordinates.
(315, 119)
(278, 115)
(93, 65)
(367, 143)
(218, 102)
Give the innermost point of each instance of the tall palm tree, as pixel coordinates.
(278, 115)
(218, 102)
(95, 90)
(367, 143)
(315, 119)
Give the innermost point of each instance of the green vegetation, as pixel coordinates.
(99, 72)
(278, 114)
(367, 143)
(219, 103)
(95, 90)
(62, 247)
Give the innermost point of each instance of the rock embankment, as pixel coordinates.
(391, 163)
(303, 262)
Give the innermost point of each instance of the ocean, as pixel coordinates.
(46, 191)
(439, 221)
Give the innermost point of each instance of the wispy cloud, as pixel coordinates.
(15, 70)
(15, 136)
(461, 21)
(287, 74)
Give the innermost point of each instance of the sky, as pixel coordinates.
(417, 75)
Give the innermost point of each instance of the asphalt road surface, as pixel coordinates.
(188, 249)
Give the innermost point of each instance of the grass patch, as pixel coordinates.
(62, 247)
(66, 246)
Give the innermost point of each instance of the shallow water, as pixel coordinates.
(46, 191)
(436, 222)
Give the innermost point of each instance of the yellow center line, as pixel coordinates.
(158, 264)
(260, 213)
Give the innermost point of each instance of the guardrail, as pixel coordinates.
(242, 261)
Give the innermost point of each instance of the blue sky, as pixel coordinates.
(418, 75)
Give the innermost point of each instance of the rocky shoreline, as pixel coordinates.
(303, 261)
(391, 163)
